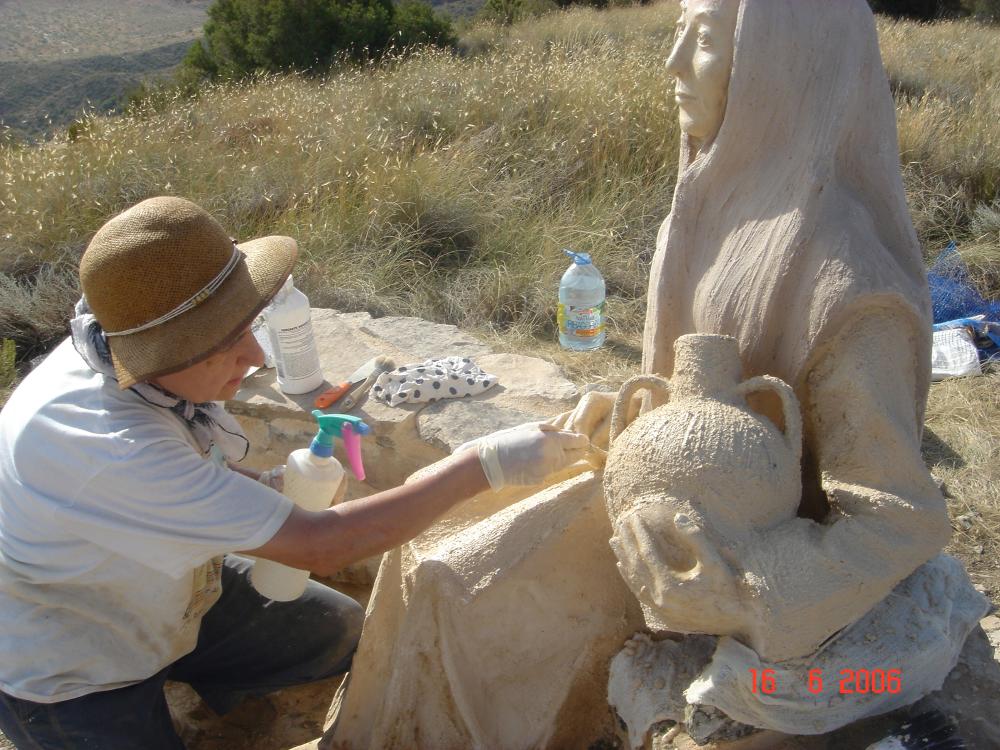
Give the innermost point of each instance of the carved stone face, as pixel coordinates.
(700, 63)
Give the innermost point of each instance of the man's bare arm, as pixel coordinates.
(326, 541)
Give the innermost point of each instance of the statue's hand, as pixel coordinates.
(592, 416)
(679, 573)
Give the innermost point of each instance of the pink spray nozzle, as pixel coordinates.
(352, 447)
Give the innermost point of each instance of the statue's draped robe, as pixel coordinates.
(496, 634)
(790, 232)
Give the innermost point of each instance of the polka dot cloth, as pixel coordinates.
(443, 377)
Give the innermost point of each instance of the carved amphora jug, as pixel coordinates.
(688, 483)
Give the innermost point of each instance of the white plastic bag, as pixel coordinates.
(954, 355)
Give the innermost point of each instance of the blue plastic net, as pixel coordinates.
(957, 303)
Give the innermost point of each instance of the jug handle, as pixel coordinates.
(652, 383)
(789, 406)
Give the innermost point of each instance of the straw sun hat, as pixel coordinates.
(170, 287)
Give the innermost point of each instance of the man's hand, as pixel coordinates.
(525, 455)
(274, 478)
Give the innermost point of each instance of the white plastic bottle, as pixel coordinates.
(312, 478)
(581, 305)
(289, 324)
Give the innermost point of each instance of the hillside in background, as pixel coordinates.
(36, 97)
(58, 56)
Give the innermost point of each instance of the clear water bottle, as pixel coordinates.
(581, 304)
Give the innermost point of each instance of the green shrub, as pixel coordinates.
(199, 59)
(418, 23)
(250, 36)
(245, 37)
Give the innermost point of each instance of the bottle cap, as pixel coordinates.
(581, 259)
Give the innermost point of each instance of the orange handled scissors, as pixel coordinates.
(330, 395)
(327, 397)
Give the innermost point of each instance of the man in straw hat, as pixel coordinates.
(117, 500)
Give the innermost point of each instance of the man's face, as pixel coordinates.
(218, 377)
(700, 63)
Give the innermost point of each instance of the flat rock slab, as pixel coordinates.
(408, 436)
(991, 626)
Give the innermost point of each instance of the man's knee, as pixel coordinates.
(353, 619)
(341, 622)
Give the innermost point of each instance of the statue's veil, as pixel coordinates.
(795, 217)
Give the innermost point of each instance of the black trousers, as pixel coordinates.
(247, 645)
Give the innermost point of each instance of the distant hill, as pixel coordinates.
(56, 56)
(37, 96)
(48, 30)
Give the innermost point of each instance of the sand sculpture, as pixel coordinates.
(788, 233)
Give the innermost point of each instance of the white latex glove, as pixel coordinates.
(274, 478)
(526, 454)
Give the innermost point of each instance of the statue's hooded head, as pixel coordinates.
(789, 213)
(700, 64)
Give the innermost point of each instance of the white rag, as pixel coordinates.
(918, 630)
(897, 653)
(433, 379)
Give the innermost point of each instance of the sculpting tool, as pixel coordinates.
(382, 364)
(329, 396)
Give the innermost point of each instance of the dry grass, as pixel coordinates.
(960, 445)
(444, 186)
(437, 186)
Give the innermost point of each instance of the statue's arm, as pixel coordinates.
(592, 416)
(888, 517)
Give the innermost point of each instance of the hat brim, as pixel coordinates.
(212, 325)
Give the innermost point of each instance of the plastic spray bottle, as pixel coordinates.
(289, 324)
(312, 478)
(581, 304)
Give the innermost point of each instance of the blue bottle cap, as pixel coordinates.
(581, 259)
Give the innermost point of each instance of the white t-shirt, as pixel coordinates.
(112, 527)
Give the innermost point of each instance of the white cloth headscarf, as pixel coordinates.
(208, 422)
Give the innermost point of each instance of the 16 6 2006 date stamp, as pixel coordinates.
(849, 681)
